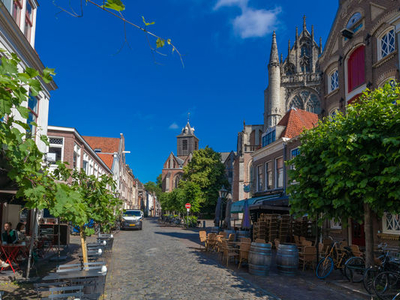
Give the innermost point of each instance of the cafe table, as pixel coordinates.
(10, 253)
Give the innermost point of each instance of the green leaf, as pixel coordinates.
(160, 43)
(31, 72)
(114, 5)
(24, 111)
(147, 24)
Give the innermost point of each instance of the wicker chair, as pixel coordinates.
(244, 253)
(228, 251)
(307, 257)
(203, 239)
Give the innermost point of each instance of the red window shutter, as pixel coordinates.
(356, 68)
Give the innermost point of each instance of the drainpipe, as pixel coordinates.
(284, 168)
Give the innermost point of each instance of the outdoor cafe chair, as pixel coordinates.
(308, 256)
(211, 241)
(260, 241)
(203, 239)
(228, 251)
(244, 253)
(277, 242)
(245, 240)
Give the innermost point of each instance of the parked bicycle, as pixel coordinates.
(335, 259)
(383, 265)
(387, 284)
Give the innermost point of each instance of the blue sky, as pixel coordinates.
(105, 89)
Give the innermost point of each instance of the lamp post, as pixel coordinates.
(222, 194)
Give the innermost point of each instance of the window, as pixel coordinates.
(333, 81)
(279, 172)
(268, 175)
(386, 44)
(76, 157)
(294, 152)
(97, 150)
(28, 21)
(336, 225)
(313, 104)
(391, 224)
(269, 138)
(17, 7)
(184, 145)
(56, 146)
(196, 145)
(33, 115)
(85, 163)
(356, 69)
(259, 178)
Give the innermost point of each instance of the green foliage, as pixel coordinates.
(153, 188)
(147, 24)
(351, 159)
(190, 221)
(114, 5)
(208, 172)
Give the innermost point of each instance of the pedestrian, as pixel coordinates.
(9, 235)
(20, 230)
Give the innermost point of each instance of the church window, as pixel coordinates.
(353, 21)
(333, 81)
(184, 145)
(289, 69)
(196, 145)
(305, 51)
(296, 102)
(356, 69)
(386, 44)
(313, 104)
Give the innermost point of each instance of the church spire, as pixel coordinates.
(274, 57)
(304, 23)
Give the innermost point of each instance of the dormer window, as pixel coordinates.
(269, 138)
(97, 150)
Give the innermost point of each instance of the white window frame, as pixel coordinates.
(77, 151)
(380, 40)
(332, 88)
(335, 225)
(276, 173)
(86, 158)
(395, 224)
(58, 145)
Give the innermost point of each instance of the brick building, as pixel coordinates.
(361, 52)
(67, 145)
(172, 171)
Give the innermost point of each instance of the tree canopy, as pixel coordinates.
(350, 162)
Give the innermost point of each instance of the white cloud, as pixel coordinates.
(255, 22)
(252, 22)
(241, 3)
(173, 126)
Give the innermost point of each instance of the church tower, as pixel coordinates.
(187, 142)
(295, 81)
(273, 103)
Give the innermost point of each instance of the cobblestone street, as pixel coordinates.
(163, 263)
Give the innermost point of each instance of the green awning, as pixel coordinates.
(237, 207)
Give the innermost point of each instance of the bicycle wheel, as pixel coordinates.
(354, 269)
(324, 267)
(397, 296)
(368, 279)
(386, 285)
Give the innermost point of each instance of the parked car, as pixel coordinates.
(132, 219)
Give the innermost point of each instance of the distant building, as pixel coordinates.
(112, 152)
(172, 171)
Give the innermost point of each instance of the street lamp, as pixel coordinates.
(222, 194)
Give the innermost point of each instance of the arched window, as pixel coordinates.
(177, 179)
(333, 81)
(386, 44)
(313, 104)
(296, 102)
(356, 68)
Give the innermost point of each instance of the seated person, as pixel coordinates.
(20, 229)
(9, 235)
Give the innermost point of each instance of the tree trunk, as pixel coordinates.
(83, 245)
(32, 241)
(369, 236)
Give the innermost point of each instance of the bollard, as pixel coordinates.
(204, 224)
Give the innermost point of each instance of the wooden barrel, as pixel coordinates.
(287, 259)
(260, 259)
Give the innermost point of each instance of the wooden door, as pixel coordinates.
(357, 234)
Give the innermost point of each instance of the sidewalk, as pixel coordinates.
(304, 286)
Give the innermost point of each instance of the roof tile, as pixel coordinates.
(296, 120)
